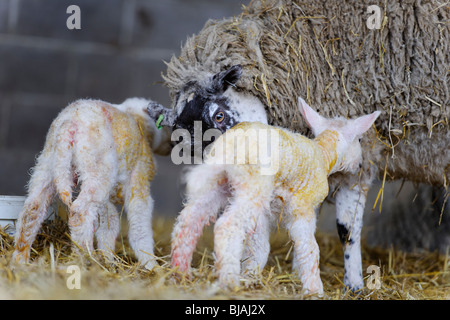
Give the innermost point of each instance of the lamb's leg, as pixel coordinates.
(108, 231)
(40, 194)
(350, 203)
(98, 179)
(83, 214)
(257, 246)
(96, 164)
(301, 225)
(139, 207)
(206, 199)
(240, 218)
(30, 220)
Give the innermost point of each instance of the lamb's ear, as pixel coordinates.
(222, 80)
(155, 110)
(314, 120)
(359, 126)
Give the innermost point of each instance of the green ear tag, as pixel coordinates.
(158, 122)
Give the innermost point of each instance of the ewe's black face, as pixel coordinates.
(211, 104)
(208, 105)
(212, 110)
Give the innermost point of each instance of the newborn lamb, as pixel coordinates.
(106, 150)
(254, 197)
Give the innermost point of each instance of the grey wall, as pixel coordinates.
(118, 53)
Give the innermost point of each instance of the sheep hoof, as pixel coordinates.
(353, 288)
(17, 260)
(150, 265)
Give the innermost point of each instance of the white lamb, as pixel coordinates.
(253, 200)
(106, 149)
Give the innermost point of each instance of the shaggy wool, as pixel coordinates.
(325, 52)
(284, 46)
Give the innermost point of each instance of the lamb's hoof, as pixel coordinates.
(314, 292)
(229, 281)
(18, 259)
(150, 265)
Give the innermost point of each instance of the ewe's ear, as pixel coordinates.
(360, 125)
(222, 80)
(314, 120)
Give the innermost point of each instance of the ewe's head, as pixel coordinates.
(349, 131)
(214, 102)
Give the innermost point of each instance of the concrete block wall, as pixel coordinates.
(118, 53)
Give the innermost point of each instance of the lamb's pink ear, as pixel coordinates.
(314, 120)
(360, 125)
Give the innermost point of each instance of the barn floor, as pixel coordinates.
(403, 275)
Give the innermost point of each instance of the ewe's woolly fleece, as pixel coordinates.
(323, 51)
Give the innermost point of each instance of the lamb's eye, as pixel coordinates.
(219, 116)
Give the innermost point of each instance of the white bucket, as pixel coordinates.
(10, 207)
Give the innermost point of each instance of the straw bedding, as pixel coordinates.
(403, 275)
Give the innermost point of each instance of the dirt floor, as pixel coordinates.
(54, 272)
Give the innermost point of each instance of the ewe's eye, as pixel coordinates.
(219, 117)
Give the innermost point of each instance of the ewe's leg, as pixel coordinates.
(207, 195)
(108, 231)
(301, 225)
(350, 205)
